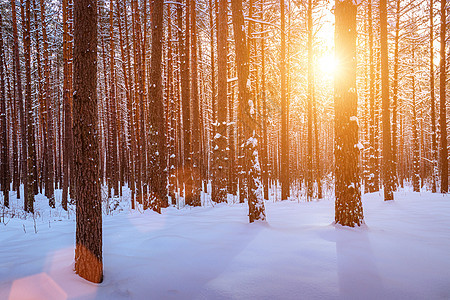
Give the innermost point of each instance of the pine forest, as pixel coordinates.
(139, 138)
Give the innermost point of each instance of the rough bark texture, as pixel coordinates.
(247, 119)
(159, 176)
(388, 180)
(443, 103)
(284, 170)
(220, 137)
(372, 181)
(30, 159)
(433, 104)
(348, 206)
(4, 166)
(88, 252)
(196, 137)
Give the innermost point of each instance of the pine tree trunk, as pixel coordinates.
(264, 154)
(196, 137)
(415, 139)
(373, 176)
(88, 252)
(443, 102)
(158, 120)
(247, 118)
(348, 206)
(48, 116)
(388, 180)
(4, 155)
(186, 108)
(434, 146)
(220, 137)
(309, 177)
(20, 106)
(68, 141)
(395, 96)
(113, 105)
(125, 57)
(26, 15)
(284, 171)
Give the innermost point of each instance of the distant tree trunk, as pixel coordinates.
(140, 113)
(247, 118)
(434, 146)
(443, 102)
(195, 105)
(309, 180)
(284, 176)
(264, 154)
(68, 139)
(317, 150)
(213, 94)
(415, 140)
(348, 206)
(42, 129)
(114, 176)
(372, 182)
(88, 251)
(387, 134)
(186, 108)
(221, 133)
(4, 157)
(395, 95)
(50, 179)
(126, 68)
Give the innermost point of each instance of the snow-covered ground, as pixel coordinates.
(403, 252)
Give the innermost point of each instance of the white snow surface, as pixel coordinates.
(214, 253)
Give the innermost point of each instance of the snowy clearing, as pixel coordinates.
(213, 253)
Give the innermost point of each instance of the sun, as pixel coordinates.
(328, 64)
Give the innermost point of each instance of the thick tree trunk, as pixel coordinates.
(88, 251)
(247, 118)
(159, 180)
(348, 206)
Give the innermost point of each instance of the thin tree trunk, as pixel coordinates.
(4, 167)
(443, 102)
(221, 133)
(434, 147)
(284, 176)
(196, 136)
(309, 176)
(388, 180)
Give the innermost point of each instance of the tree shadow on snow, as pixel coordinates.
(357, 270)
